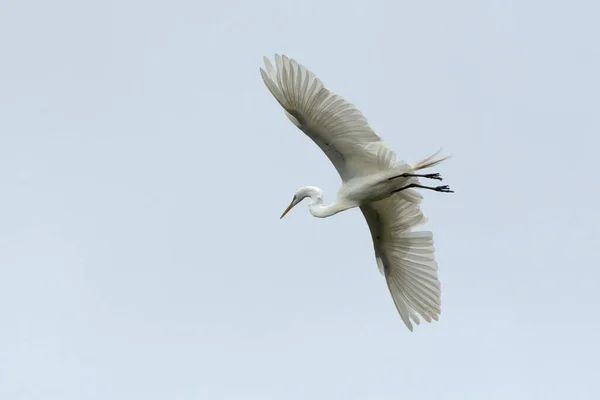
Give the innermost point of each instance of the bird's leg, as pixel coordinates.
(408, 175)
(443, 189)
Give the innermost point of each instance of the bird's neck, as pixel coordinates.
(320, 210)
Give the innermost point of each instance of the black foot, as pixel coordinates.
(433, 176)
(443, 189)
(409, 175)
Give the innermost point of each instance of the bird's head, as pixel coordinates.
(314, 193)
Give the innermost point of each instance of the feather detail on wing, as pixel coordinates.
(405, 258)
(335, 125)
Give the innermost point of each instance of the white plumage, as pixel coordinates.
(372, 180)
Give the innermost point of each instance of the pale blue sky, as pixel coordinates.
(144, 167)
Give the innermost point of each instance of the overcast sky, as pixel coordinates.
(144, 167)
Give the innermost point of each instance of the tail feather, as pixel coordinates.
(430, 161)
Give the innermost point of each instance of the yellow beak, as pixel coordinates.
(287, 210)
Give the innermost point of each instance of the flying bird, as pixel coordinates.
(385, 190)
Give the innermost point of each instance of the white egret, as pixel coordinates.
(371, 179)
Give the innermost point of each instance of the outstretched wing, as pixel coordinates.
(405, 258)
(335, 125)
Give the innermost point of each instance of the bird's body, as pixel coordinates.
(364, 190)
(371, 179)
